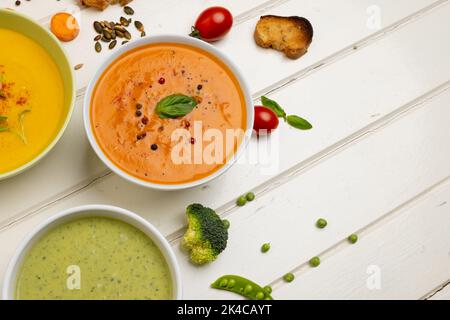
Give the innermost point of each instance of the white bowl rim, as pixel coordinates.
(168, 38)
(83, 211)
(65, 124)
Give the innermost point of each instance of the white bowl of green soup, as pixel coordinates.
(94, 252)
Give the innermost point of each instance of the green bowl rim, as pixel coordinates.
(63, 128)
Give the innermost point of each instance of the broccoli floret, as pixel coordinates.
(206, 236)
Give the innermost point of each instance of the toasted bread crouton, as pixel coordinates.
(103, 4)
(291, 35)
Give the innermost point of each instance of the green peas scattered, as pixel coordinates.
(265, 247)
(243, 287)
(260, 295)
(250, 196)
(226, 224)
(314, 262)
(353, 238)
(241, 201)
(268, 289)
(289, 277)
(321, 223)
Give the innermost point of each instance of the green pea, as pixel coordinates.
(314, 262)
(223, 283)
(226, 224)
(268, 289)
(250, 196)
(242, 286)
(265, 247)
(248, 288)
(321, 223)
(289, 277)
(353, 238)
(260, 295)
(241, 201)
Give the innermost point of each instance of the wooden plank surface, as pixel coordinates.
(376, 161)
(73, 165)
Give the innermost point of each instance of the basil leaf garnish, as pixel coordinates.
(299, 123)
(274, 106)
(175, 106)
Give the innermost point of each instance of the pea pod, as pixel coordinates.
(241, 286)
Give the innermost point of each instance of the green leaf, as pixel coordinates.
(299, 123)
(274, 106)
(175, 106)
(3, 129)
(3, 118)
(21, 132)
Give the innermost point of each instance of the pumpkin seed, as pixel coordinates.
(127, 35)
(107, 34)
(120, 34)
(98, 27)
(124, 42)
(139, 26)
(124, 21)
(98, 37)
(78, 66)
(112, 44)
(119, 28)
(105, 39)
(128, 10)
(98, 46)
(143, 34)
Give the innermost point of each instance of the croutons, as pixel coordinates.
(291, 35)
(103, 4)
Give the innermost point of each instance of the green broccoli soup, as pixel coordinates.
(94, 258)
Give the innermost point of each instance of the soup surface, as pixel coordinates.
(138, 141)
(94, 258)
(31, 100)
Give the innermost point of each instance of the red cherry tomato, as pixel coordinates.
(213, 24)
(265, 119)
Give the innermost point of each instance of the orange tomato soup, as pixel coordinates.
(136, 139)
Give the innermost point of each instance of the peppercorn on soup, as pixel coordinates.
(146, 96)
(31, 100)
(94, 258)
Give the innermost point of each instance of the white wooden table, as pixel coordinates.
(376, 85)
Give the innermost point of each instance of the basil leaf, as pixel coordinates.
(274, 106)
(299, 123)
(175, 106)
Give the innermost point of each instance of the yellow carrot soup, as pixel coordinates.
(136, 139)
(31, 100)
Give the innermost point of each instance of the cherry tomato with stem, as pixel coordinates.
(265, 120)
(212, 24)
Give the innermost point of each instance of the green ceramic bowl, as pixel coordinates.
(24, 25)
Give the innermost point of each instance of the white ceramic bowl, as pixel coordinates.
(9, 283)
(178, 40)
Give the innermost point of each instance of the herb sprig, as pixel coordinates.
(175, 106)
(293, 120)
(21, 130)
